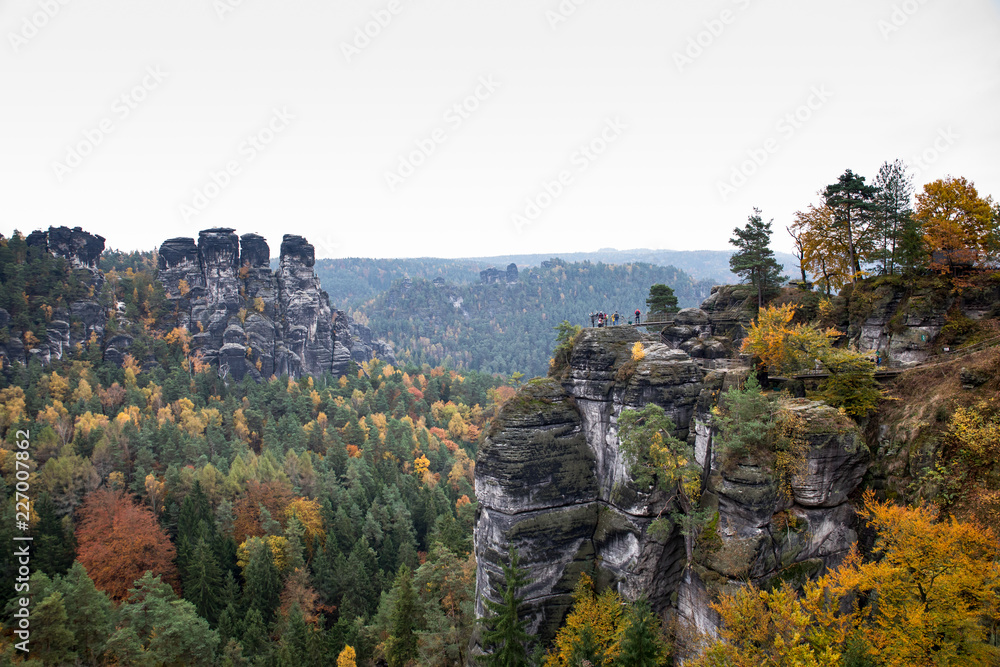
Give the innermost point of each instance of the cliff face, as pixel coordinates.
(904, 319)
(81, 319)
(255, 321)
(552, 482)
(243, 317)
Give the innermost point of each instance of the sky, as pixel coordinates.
(456, 128)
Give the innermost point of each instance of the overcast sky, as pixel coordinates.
(469, 128)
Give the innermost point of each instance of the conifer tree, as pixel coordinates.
(203, 581)
(641, 644)
(263, 581)
(854, 207)
(504, 634)
(754, 260)
(403, 640)
(53, 547)
(661, 299)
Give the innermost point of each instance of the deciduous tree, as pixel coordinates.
(119, 540)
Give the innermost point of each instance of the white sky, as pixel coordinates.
(324, 175)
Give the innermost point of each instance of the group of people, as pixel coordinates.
(602, 319)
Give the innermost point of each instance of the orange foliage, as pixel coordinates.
(119, 540)
(419, 395)
(274, 496)
(353, 451)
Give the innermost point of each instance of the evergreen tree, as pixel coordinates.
(504, 636)
(51, 639)
(90, 613)
(893, 195)
(641, 642)
(403, 640)
(53, 546)
(754, 260)
(854, 207)
(255, 640)
(661, 300)
(263, 582)
(203, 581)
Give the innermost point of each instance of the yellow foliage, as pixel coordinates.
(934, 586)
(88, 421)
(783, 347)
(308, 512)
(347, 657)
(593, 617)
(84, 392)
(277, 544)
(638, 352)
(421, 465)
(58, 386)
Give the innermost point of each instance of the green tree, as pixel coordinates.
(51, 639)
(754, 260)
(203, 581)
(641, 643)
(53, 545)
(403, 640)
(90, 613)
(169, 629)
(661, 300)
(854, 208)
(893, 197)
(504, 634)
(263, 582)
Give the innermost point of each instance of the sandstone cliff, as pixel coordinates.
(551, 480)
(244, 317)
(255, 321)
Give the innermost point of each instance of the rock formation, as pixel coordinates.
(79, 320)
(253, 321)
(494, 275)
(551, 480)
(243, 317)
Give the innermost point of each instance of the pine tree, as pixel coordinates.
(90, 613)
(403, 644)
(893, 195)
(661, 300)
(504, 635)
(51, 639)
(754, 260)
(641, 643)
(203, 581)
(854, 207)
(53, 546)
(263, 581)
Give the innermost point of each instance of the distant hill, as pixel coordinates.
(506, 327)
(353, 281)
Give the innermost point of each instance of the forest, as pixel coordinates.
(178, 519)
(510, 328)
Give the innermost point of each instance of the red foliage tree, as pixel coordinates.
(119, 540)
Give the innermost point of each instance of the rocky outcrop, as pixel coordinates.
(552, 482)
(79, 320)
(494, 275)
(250, 320)
(904, 318)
